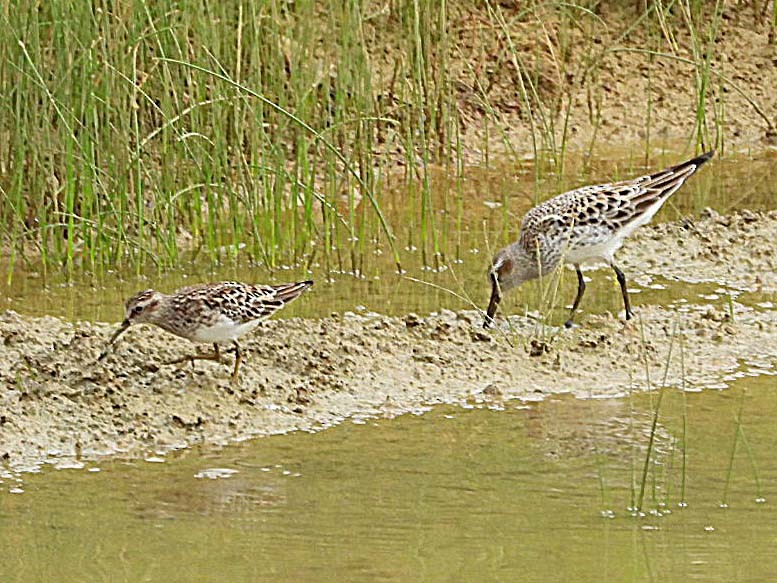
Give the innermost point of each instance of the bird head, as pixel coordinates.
(140, 308)
(510, 268)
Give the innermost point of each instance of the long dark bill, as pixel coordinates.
(493, 302)
(120, 330)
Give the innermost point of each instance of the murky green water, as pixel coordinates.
(488, 492)
(516, 492)
(492, 202)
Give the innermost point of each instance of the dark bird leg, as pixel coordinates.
(496, 296)
(624, 291)
(580, 292)
(238, 360)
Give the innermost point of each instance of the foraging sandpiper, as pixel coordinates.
(210, 313)
(589, 223)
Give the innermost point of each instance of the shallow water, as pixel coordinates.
(509, 491)
(481, 492)
(493, 200)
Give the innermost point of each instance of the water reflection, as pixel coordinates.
(536, 491)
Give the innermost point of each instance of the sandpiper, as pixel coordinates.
(586, 224)
(211, 313)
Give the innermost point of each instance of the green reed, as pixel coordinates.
(734, 445)
(702, 48)
(656, 410)
(139, 135)
(684, 429)
(740, 437)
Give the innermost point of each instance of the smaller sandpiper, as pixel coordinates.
(586, 224)
(212, 313)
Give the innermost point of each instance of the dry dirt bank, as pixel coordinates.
(609, 80)
(57, 399)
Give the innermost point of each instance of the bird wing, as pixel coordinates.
(212, 304)
(259, 302)
(579, 214)
(639, 199)
(593, 213)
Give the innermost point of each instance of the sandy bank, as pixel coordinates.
(57, 399)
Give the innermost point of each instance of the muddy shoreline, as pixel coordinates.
(58, 402)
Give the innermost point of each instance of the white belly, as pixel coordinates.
(603, 248)
(595, 253)
(223, 331)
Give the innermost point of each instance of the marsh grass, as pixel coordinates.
(652, 470)
(702, 45)
(138, 136)
(740, 437)
(656, 412)
(759, 497)
(733, 451)
(657, 478)
(684, 440)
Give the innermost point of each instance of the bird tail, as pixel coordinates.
(678, 174)
(661, 185)
(287, 292)
(268, 299)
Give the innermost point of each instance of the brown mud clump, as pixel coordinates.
(57, 399)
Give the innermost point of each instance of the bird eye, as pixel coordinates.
(137, 309)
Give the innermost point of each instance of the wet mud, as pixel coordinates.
(58, 401)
